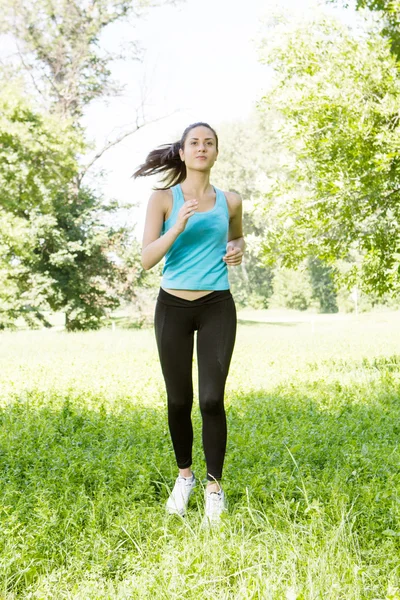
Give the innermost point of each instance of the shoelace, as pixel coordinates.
(187, 482)
(214, 499)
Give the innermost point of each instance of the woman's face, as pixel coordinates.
(200, 149)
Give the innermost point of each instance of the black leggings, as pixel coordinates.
(176, 319)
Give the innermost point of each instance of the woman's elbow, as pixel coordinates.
(144, 261)
(147, 263)
(146, 266)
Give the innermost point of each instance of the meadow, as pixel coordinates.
(312, 470)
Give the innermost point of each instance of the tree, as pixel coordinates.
(388, 12)
(292, 288)
(322, 279)
(53, 244)
(338, 95)
(59, 47)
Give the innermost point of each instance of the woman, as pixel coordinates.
(198, 229)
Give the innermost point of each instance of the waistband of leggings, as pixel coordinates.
(171, 300)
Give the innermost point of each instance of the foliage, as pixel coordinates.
(54, 245)
(251, 283)
(323, 285)
(75, 253)
(388, 12)
(338, 96)
(37, 161)
(292, 289)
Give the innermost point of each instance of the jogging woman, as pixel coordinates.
(198, 229)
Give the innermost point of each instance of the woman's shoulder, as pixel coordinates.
(160, 194)
(234, 201)
(233, 197)
(161, 198)
(161, 201)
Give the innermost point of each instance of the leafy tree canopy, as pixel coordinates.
(338, 96)
(54, 246)
(388, 12)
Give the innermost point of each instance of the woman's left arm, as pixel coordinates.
(236, 244)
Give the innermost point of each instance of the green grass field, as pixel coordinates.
(312, 471)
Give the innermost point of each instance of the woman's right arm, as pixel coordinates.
(154, 247)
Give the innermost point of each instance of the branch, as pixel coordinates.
(117, 141)
(29, 70)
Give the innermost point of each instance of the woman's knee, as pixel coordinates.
(212, 404)
(180, 403)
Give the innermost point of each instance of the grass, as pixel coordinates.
(312, 471)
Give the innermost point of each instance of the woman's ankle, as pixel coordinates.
(186, 472)
(213, 486)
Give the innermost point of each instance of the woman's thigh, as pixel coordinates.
(174, 335)
(215, 343)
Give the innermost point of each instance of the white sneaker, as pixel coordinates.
(215, 506)
(179, 498)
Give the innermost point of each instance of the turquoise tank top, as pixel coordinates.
(194, 261)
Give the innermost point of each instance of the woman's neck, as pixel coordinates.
(196, 183)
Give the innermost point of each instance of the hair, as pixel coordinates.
(166, 159)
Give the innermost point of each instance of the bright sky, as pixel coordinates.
(200, 63)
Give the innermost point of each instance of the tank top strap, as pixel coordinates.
(177, 196)
(221, 201)
(177, 200)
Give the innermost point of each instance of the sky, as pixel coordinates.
(199, 62)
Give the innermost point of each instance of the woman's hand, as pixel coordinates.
(186, 211)
(233, 256)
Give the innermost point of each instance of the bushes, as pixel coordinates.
(292, 289)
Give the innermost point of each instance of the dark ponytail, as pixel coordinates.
(166, 159)
(163, 159)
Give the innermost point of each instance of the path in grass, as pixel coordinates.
(312, 471)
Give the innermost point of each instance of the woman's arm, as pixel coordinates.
(236, 244)
(154, 246)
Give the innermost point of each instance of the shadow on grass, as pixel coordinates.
(68, 473)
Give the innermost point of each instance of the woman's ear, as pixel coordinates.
(181, 154)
